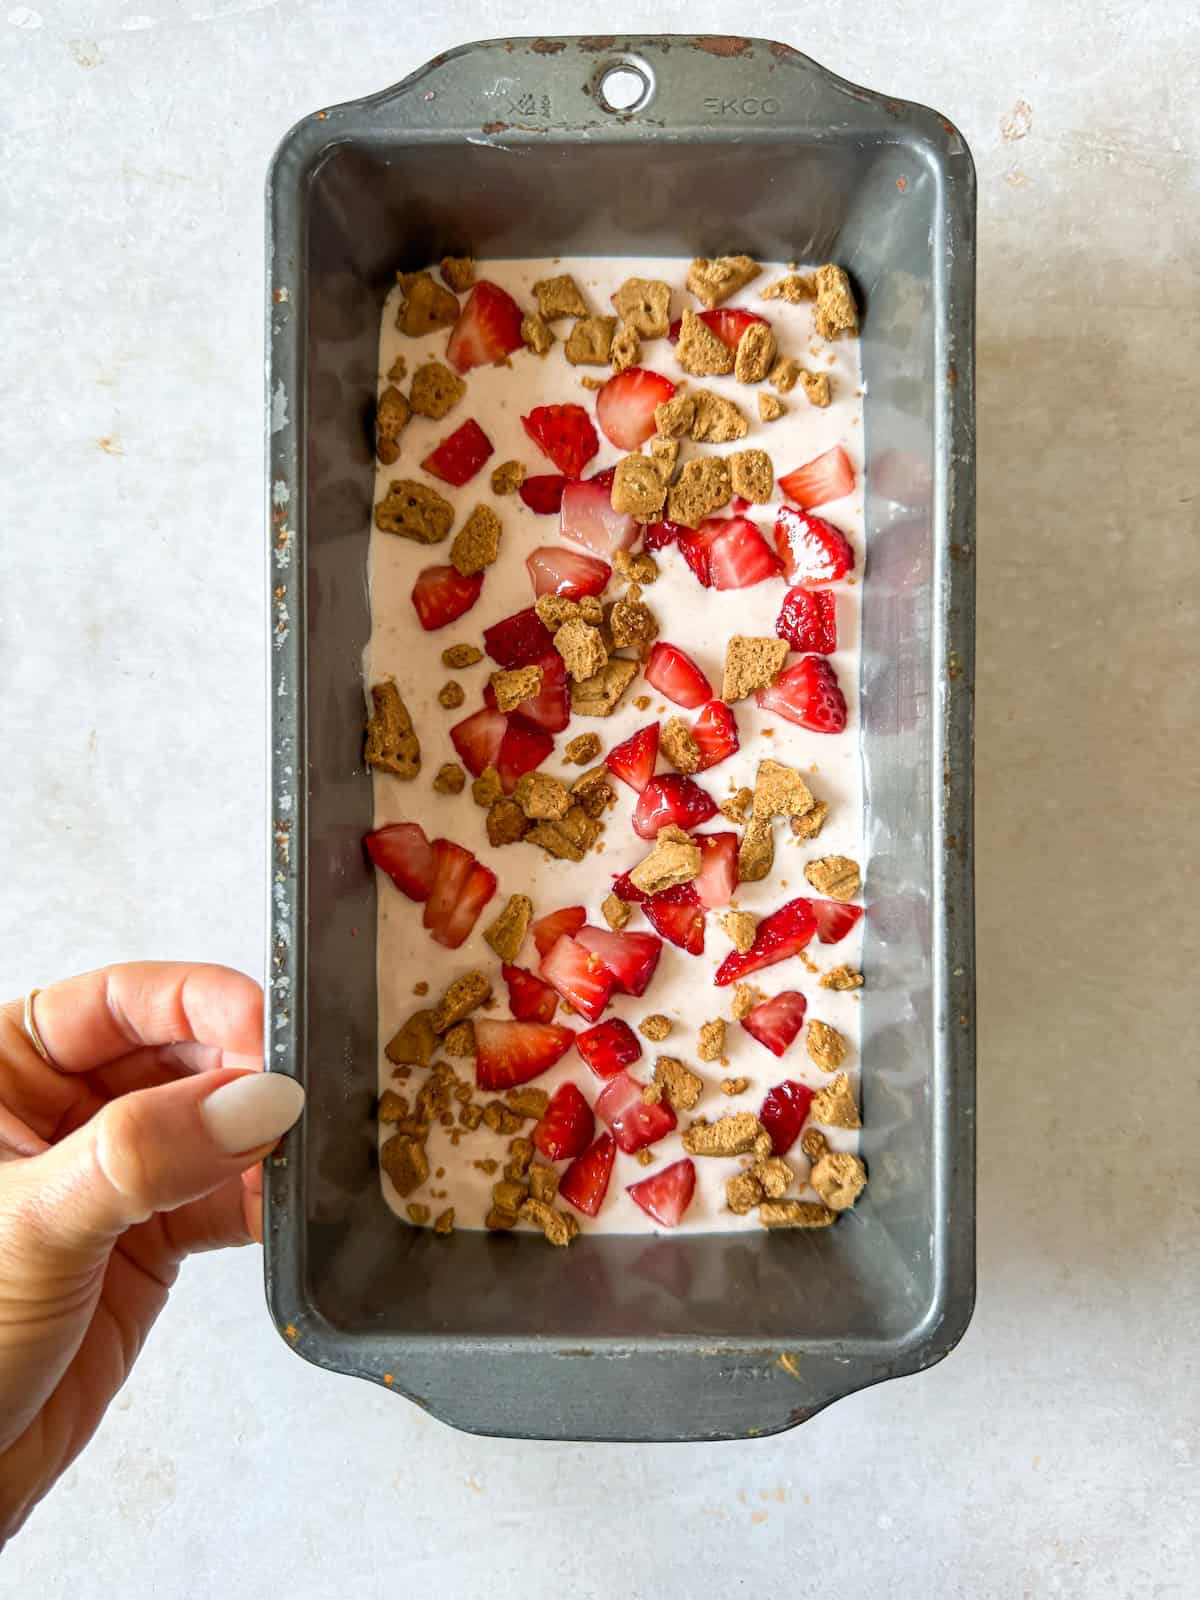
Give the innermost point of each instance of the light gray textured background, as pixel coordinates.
(1056, 1452)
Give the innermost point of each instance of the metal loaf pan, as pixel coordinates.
(507, 149)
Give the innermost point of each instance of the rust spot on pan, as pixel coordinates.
(782, 51)
(722, 44)
(548, 47)
(598, 41)
(494, 127)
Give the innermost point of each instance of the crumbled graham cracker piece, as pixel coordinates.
(541, 797)
(398, 370)
(751, 663)
(732, 1086)
(507, 933)
(457, 656)
(458, 272)
(701, 488)
(816, 386)
(737, 806)
(498, 1221)
(470, 1116)
(506, 823)
(626, 348)
(459, 1041)
(404, 1160)
(645, 304)
(794, 1214)
(392, 1106)
(842, 978)
(581, 648)
(391, 419)
(536, 333)
(665, 455)
(425, 305)
(593, 790)
(780, 791)
(590, 341)
(711, 1043)
(520, 1154)
(444, 1223)
(826, 1046)
(543, 1182)
(655, 1027)
(795, 289)
(615, 912)
(839, 1179)
(508, 1194)
(678, 746)
(414, 1041)
(785, 374)
(591, 383)
(555, 609)
(463, 996)
(500, 1119)
(451, 695)
(514, 685)
(477, 543)
(559, 296)
(638, 488)
(674, 859)
(509, 475)
(752, 475)
(528, 1101)
(717, 420)
(391, 742)
(813, 1143)
(635, 568)
(413, 511)
(733, 1135)
(756, 853)
(486, 789)
(742, 1003)
(569, 838)
(699, 351)
(558, 1227)
(435, 390)
(756, 353)
(775, 1176)
(834, 1105)
(584, 747)
(645, 1158)
(591, 609)
(673, 418)
(417, 1212)
(682, 1087)
(810, 824)
(836, 876)
(740, 926)
(631, 623)
(713, 281)
(742, 1193)
(599, 696)
(836, 311)
(770, 409)
(450, 779)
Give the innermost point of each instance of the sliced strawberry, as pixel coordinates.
(740, 504)
(630, 957)
(828, 477)
(625, 889)
(508, 1053)
(716, 735)
(587, 517)
(777, 937)
(634, 1123)
(405, 854)
(585, 1182)
(478, 738)
(551, 706)
(658, 535)
(460, 455)
(784, 1109)
(673, 673)
(582, 979)
(461, 889)
(665, 1195)
(548, 930)
(808, 620)
(529, 999)
(808, 695)
(671, 798)
(519, 640)
(696, 546)
(776, 1022)
(727, 322)
(553, 570)
(740, 557)
(441, 595)
(543, 492)
(488, 328)
(677, 914)
(834, 919)
(524, 747)
(609, 1047)
(565, 434)
(633, 759)
(811, 549)
(566, 1126)
(605, 477)
(625, 406)
(718, 878)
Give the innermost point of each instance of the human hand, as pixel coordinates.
(135, 1143)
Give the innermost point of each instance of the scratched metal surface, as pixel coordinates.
(1054, 1452)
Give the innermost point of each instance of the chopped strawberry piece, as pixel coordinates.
(811, 549)
(834, 919)
(606, 477)
(625, 406)
(633, 759)
(548, 930)
(524, 747)
(405, 854)
(718, 878)
(665, 1195)
(716, 735)
(543, 492)
(625, 889)
(519, 640)
(634, 1124)
(585, 1182)
(828, 477)
(478, 738)
(673, 673)
(565, 434)
(808, 620)
(566, 1126)
(696, 546)
(488, 328)
(550, 708)
(461, 888)
(658, 535)
(441, 595)
(529, 999)
(808, 695)
(740, 556)
(776, 1022)
(609, 1047)
(671, 798)
(553, 570)
(777, 937)
(460, 455)
(582, 979)
(630, 957)
(588, 517)
(509, 1053)
(739, 504)
(784, 1109)
(677, 914)
(727, 322)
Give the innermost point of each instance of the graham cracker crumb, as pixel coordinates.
(752, 475)
(391, 741)
(770, 409)
(642, 703)
(742, 1193)
(834, 1105)
(500, 1119)
(458, 272)
(515, 685)
(756, 853)
(543, 1182)
(487, 788)
(682, 1087)
(591, 383)
(593, 790)
(645, 1158)
(639, 568)
(665, 455)
(676, 743)
(463, 996)
(528, 1101)
(509, 475)
(568, 839)
(674, 859)
(435, 390)
(508, 1194)
(794, 1214)
(713, 281)
(702, 487)
(717, 420)
(751, 663)
(711, 1044)
(541, 797)
(477, 543)
(414, 1042)
(444, 1223)
(740, 927)
(421, 987)
(417, 1212)
(555, 609)
(487, 1166)
(743, 1000)
(592, 611)
(413, 511)
(391, 418)
(451, 695)
(584, 747)
(536, 333)
(398, 370)
(626, 348)
(520, 1154)
(457, 656)
(631, 622)
(836, 876)
(506, 823)
(615, 912)
(839, 1179)
(826, 1047)
(498, 1221)
(645, 304)
(559, 297)
(836, 312)
(459, 1041)
(507, 933)
(590, 341)
(404, 1160)
(733, 1135)
(599, 696)
(558, 1228)
(425, 306)
(810, 824)
(813, 1143)
(785, 374)
(795, 289)
(755, 353)
(842, 978)
(737, 806)
(733, 1086)
(392, 1106)
(780, 791)
(638, 487)
(775, 1176)
(655, 1027)
(450, 779)
(471, 1116)
(673, 418)
(581, 648)
(698, 349)
(816, 387)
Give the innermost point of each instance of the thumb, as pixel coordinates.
(153, 1150)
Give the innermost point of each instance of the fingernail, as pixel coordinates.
(252, 1110)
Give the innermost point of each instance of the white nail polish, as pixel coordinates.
(252, 1110)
